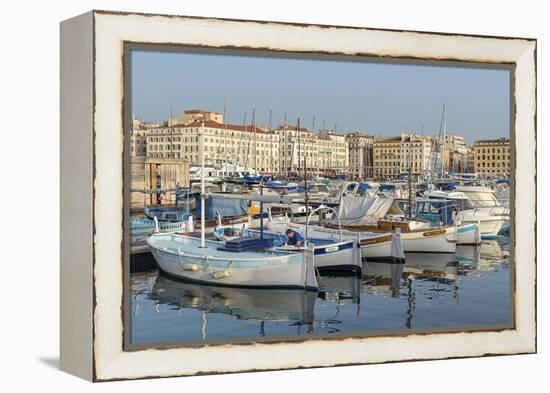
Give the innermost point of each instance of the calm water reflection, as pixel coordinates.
(468, 288)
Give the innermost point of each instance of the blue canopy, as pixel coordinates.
(364, 186)
(226, 207)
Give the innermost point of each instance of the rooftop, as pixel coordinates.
(496, 140)
(221, 126)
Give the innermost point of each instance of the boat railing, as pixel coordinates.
(324, 207)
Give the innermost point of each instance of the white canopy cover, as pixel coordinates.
(363, 210)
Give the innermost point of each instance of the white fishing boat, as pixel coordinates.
(209, 262)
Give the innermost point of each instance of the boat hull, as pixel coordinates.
(335, 256)
(379, 249)
(489, 226)
(433, 240)
(468, 234)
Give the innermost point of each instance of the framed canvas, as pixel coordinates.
(125, 77)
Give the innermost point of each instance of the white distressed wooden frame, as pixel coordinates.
(92, 194)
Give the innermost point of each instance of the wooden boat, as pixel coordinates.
(206, 261)
(380, 215)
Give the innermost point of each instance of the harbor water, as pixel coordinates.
(469, 289)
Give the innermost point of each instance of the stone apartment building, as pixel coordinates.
(492, 157)
(252, 147)
(323, 153)
(386, 158)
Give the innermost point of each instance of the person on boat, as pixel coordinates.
(294, 237)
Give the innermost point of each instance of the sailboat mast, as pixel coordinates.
(443, 134)
(255, 142)
(225, 121)
(284, 147)
(236, 168)
(270, 143)
(203, 196)
(305, 180)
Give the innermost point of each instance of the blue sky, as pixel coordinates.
(375, 98)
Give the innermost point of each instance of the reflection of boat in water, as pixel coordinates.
(241, 303)
(428, 264)
(342, 288)
(491, 250)
(468, 255)
(382, 278)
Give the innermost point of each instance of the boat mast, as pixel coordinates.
(225, 131)
(239, 147)
(305, 178)
(255, 142)
(269, 126)
(203, 196)
(443, 135)
(285, 146)
(409, 179)
(247, 150)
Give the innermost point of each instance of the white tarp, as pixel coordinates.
(363, 210)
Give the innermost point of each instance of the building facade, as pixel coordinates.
(360, 155)
(333, 154)
(386, 158)
(492, 157)
(324, 153)
(248, 146)
(456, 153)
(415, 154)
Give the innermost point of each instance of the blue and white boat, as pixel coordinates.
(329, 254)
